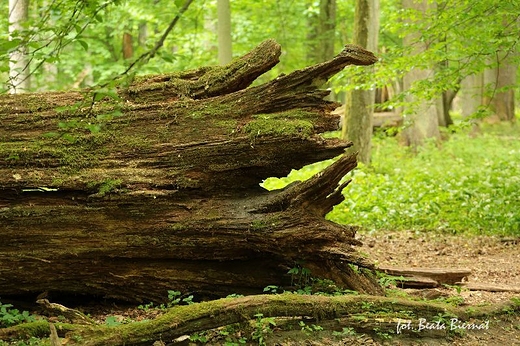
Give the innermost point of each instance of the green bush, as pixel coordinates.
(10, 317)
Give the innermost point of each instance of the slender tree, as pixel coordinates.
(225, 54)
(19, 73)
(359, 106)
(128, 48)
(327, 29)
(422, 116)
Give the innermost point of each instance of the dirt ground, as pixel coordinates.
(492, 260)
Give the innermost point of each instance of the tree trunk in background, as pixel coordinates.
(165, 194)
(327, 29)
(128, 47)
(499, 85)
(446, 101)
(469, 98)
(225, 54)
(359, 107)
(423, 122)
(444, 110)
(313, 52)
(143, 34)
(19, 72)
(327, 34)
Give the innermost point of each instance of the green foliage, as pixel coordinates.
(300, 276)
(105, 187)
(455, 188)
(388, 281)
(346, 331)
(263, 327)
(309, 329)
(32, 341)
(384, 335)
(466, 185)
(112, 321)
(174, 298)
(10, 317)
(273, 289)
(456, 46)
(199, 338)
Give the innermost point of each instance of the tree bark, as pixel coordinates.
(327, 29)
(156, 187)
(427, 277)
(499, 84)
(423, 121)
(224, 32)
(19, 73)
(359, 106)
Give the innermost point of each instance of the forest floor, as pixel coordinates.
(492, 260)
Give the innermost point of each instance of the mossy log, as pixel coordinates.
(128, 193)
(366, 314)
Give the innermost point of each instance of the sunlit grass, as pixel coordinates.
(468, 184)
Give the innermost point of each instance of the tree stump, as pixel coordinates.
(127, 193)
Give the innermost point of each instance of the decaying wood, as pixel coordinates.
(346, 310)
(426, 277)
(474, 286)
(132, 192)
(413, 281)
(72, 315)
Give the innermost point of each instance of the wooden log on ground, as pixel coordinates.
(426, 277)
(130, 192)
(475, 286)
(357, 311)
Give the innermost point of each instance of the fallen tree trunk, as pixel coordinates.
(363, 313)
(131, 192)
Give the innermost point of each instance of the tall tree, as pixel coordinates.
(359, 106)
(422, 118)
(225, 53)
(470, 94)
(19, 73)
(327, 29)
(499, 83)
(313, 53)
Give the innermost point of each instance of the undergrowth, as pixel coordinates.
(467, 184)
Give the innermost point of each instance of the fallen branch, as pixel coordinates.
(358, 311)
(474, 286)
(427, 277)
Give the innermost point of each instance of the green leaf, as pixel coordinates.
(94, 128)
(51, 135)
(83, 44)
(8, 45)
(112, 321)
(69, 137)
(102, 93)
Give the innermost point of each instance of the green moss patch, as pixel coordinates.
(279, 127)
